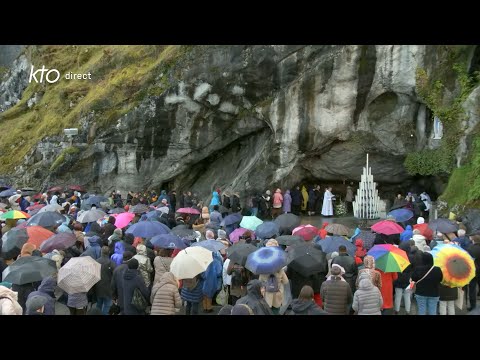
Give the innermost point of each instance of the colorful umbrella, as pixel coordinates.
(14, 214)
(266, 260)
(189, 210)
(401, 215)
(250, 222)
(190, 262)
(123, 219)
(237, 233)
(457, 265)
(389, 258)
(387, 227)
(307, 232)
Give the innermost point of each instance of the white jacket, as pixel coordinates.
(9, 304)
(420, 241)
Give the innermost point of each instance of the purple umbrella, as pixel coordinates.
(59, 241)
(148, 229)
(237, 233)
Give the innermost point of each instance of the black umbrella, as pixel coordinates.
(443, 225)
(307, 259)
(267, 230)
(238, 253)
(13, 240)
(46, 219)
(93, 200)
(400, 205)
(184, 232)
(28, 191)
(287, 222)
(139, 209)
(234, 218)
(29, 269)
(289, 240)
(8, 193)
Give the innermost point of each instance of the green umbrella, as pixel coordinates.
(250, 222)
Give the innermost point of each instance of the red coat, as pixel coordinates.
(425, 231)
(387, 288)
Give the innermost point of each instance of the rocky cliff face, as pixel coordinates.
(246, 118)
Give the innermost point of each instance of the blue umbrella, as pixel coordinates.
(266, 260)
(267, 230)
(151, 215)
(234, 218)
(148, 229)
(168, 241)
(331, 244)
(8, 193)
(401, 215)
(210, 244)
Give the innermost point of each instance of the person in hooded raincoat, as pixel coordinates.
(144, 264)
(407, 234)
(215, 200)
(287, 202)
(47, 289)
(254, 298)
(305, 198)
(213, 281)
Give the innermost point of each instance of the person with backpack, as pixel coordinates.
(192, 293)
(240, 277)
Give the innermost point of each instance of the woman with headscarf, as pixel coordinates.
(254, 298)
(369, 263)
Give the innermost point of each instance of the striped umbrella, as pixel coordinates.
(14, 214)
(389, 258)
(79, 274)
(457, 265)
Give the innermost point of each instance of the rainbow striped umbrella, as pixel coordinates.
(389, 258)
(457, 265)
(14, 214)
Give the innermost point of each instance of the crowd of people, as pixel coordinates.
(136, 277)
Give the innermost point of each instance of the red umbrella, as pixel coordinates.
(35, 207)
(37, 235)
(77, 188)
(424, 230)
(55, 189)
(307, 232)
(387, 227)
(191, 211)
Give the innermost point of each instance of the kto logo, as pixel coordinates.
(51, 75)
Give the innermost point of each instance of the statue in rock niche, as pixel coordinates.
(437, 128)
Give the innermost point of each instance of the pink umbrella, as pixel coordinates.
(235, 234)
(307, 232)
(123, 219)
(190, 211)
(387, 227)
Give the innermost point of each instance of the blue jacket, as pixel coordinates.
(215, 199)
(117, 257)
(194, 295)
(95, 248)
(463, 241)
(407, 234)
(24, 204)
(213, 276)
(216, 217)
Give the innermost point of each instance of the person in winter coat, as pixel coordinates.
(165, 297)
(47, 289)
(348, 263)
(215, 200)
(95, 248)
(8, 302)
(215, 217)
(275, 299)
(192, 293)
(128, 243)
(213, 281)
(336, 294)
(287, 202)
(349, 197)
(448, 295)
(130, 281)
(305, 304)
(369, 267)
(236, 203)
(117, 256)
(462, 240)
(420, 240)
(367, 300)
(277, 203)
(102, 289)
(144, 264)
(311, 201)
(297, 200)
(407, 234)
(427, 279)
(424, 229)
(108, 229)
(254, 298)
(403, 281)
(162, 263)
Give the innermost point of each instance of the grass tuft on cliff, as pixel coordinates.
(121, 76)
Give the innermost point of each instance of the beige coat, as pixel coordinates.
(165, 297)
(275, 299)
(161, 265)
(9, 305)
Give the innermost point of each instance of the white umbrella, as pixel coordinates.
(190, 262)
(79, 274)
(51, 207)
(90, 216)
